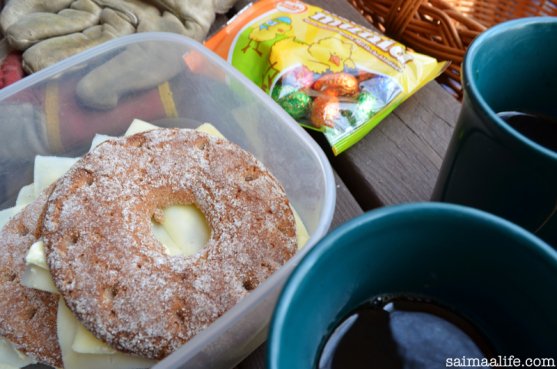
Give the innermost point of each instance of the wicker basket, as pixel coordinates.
(445, 28)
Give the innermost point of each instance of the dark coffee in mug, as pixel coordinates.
(537, 127)
(508, 72)
(402, 332)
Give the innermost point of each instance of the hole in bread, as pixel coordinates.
(181, 316)
(266, 265)
(74, 237)
(22, 230)
(7, 277)
(251, 174)
(137, 140)
(67, 242)
(181, 229)
(109, 293)
(29, 313)
(68, 282)
(83, 177)
(248, 284)
(201, 143)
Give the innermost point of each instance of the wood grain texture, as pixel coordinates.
(400, 159)
(346, 206)
(256, 360)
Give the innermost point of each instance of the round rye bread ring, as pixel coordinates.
(115, 275)
(27, 315)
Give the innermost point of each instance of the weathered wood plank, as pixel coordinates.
(256, 360)
(400, 159)
(346, 206)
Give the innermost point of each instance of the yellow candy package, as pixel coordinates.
(328, 73)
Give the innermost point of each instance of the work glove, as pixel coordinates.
(51, 30)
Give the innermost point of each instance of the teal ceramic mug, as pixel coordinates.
(498, 276)
(489, 164)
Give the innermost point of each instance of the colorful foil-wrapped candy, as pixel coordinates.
(331, 100)
(337, 84)
(328, 73)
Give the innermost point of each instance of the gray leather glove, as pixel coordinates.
(51, 30)
(125, 74)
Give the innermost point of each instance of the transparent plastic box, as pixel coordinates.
(57, 111)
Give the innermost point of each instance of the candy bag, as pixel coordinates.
(327, 72)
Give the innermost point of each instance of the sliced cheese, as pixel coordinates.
(26, 195)
(10, 357)
(36, 273)
(6, 366)
(187, 227)
(36, 255)
(99, 139)
(139, 126)
(85, 342)
(38, 278)
(48, 169)
(210, 129)
(68, 327)
(162, 236)
(302, 235)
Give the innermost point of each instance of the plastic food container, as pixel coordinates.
(58, 111)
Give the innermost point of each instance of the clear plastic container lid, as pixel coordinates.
(171, 81)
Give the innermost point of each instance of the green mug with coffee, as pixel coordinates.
(502, 157)
(497, 277)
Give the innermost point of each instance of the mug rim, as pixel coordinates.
(330, 241)
(472, 91)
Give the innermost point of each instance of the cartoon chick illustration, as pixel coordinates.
(268, 31)
(328, 54)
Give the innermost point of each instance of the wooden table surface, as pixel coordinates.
(397, 162)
